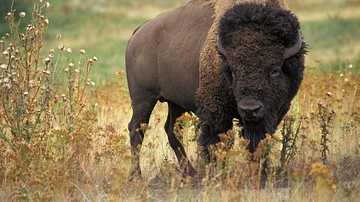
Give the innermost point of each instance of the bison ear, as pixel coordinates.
(220, 47)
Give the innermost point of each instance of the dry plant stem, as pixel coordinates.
(78, 76)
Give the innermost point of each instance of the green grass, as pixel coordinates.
(103, 28)
(333, 41)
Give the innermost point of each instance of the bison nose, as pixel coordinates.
(251, 110)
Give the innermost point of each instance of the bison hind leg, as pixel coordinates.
(142, 108)
(175, 111)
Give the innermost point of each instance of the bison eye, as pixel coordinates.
(275, 72)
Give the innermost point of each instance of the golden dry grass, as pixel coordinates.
(88, 157)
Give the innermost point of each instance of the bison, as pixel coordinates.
(221, 61)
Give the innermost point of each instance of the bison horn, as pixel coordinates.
(294, 48)
(220, 47)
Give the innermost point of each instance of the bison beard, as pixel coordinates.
(256, 131)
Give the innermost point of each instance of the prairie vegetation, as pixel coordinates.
(64, 110)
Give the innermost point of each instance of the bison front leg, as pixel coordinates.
(210, 128)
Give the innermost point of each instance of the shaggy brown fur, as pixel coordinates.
(209, 59)
(216, 102)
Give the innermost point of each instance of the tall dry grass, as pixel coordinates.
(61, 140)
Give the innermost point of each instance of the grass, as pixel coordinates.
(103, 29)
(77, 148)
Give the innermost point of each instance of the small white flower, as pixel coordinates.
(82, 51)
(22, 14)
(47, 60)
(26, 93)
(8, 86)
(95, 58)
(350, 66)
(5, 53)
(92, 84)
(46, 21)
(6, 80)
(47, 5)
(71, 64)
(68, 50)
(61, 47)
(4, 66)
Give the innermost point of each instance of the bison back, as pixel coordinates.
(162, 57)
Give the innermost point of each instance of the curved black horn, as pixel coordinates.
(294, 48)
(220, 47)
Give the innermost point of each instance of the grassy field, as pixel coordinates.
(71, 142)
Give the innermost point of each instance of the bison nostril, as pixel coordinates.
(251, 109)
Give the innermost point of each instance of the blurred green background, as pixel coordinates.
(102, 28)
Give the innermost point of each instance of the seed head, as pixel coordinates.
(8, 15)
(4, 66)
(47, 5)
(7, 85)
(333, 186)
(61, 47)
(82, 51)
(47, 60)
(22, 14)
(46, 21)
(58, 36)
(95, 58)
(5, 53)
(26, 93)
(47, 72)
(68, 50)
(71, 64)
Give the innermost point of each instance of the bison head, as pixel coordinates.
(262, 56)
